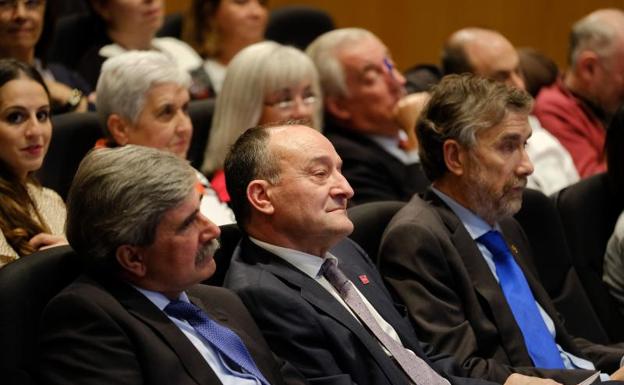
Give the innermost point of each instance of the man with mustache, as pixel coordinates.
(457, 258)
(137, 315)
(315, 294)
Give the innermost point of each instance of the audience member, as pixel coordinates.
(578, 107)
(25, 32)
(458, 259)
(488, 53)
(137, 315)
(218, 30)
(538, 70)
(613, 270)
(314, 293)
(143, 99)
(266, 83)
(132, 25)
(362, 91)
(31, 217)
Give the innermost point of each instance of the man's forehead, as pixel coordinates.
(514, 125)
(363, 52)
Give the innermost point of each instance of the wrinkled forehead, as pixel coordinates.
(356, 55)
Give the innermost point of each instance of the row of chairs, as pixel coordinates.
(74, 134)
(551, 224)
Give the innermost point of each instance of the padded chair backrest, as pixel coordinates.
(589, 211)
(541, 223)
(73, 135)
(297, 25)
(230, 235)
(26, 286)
(201, 112)
(74, 34)
(370, 221)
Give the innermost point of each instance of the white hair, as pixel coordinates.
(256, 71)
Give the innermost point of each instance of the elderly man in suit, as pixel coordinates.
(457, 258)
(369, 121)
(137, 316)
(316, 296)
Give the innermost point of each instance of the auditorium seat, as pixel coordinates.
(589, 210)
(370, 221)
(230, 235)
(26, 286)
(551, 258)
(201, 112)
(297, 25)
(73, 135)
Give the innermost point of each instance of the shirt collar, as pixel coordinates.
(308, 264)
(159, 299)
(390, 144)
(475, 225)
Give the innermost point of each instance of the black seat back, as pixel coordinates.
(201, 112)
(230, 235)
(297, 25)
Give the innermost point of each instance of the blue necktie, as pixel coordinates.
(539, 342)
(220, 337)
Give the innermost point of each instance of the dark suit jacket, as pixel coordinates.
(106, 332)
(456, 304)
(374, 174)
(305, 324)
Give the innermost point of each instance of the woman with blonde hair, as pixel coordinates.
(265, 83)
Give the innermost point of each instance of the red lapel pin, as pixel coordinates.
(363, 278)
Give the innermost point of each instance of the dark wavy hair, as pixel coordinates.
(19, 218)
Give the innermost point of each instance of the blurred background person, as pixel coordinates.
(143, 99)
(218, 30)
(31, 216)
(131, 25)
(25, 33)
(265, 83)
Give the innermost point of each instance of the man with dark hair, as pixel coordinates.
(488, 53)
(458, 259)
(138, 316)
(315, 294)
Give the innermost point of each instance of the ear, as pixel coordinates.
(100, 8)
(455, 156)
(336, 106)
(118, 128)
(259, 196)
(131, 260)
(587, 64)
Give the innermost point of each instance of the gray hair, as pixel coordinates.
(596, 33)
(256, 71)
(460, 107)
(324, 50)
(119, 196)
(126, 78)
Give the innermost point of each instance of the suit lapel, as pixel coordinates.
(317, 296)
(486, 286)
(148, 313)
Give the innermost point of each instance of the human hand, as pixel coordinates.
(407, 111)
(44, 241)
(521, 379)
(60, 94)
(618, 375)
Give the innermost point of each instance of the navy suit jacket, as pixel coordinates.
(314, 332)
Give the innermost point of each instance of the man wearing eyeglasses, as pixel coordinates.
(369, 121)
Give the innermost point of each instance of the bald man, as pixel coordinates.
(489, 54)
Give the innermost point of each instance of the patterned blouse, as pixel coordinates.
(52, 210)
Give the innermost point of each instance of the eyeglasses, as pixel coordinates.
(288, 103)
(28, 4)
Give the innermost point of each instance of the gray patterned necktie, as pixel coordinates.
(416, 369)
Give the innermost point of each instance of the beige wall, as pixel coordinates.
(414, 30)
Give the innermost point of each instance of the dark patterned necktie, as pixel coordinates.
(416, 369)
(220, 337)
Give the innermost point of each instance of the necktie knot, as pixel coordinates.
(494, 242)
(184, 310)
(334, 275)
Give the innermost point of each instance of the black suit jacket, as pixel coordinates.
(456, 304)
(304, 323)
(106, 332)
(374, 174)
